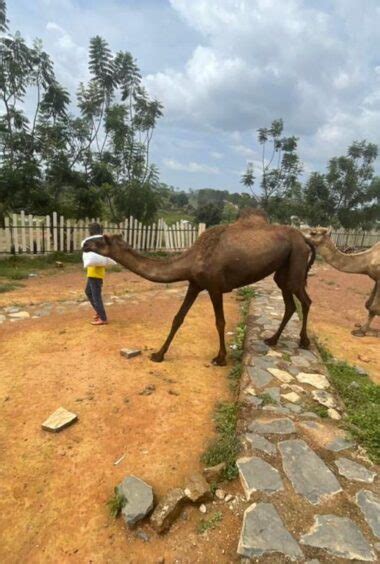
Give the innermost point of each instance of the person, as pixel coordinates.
(96, 270)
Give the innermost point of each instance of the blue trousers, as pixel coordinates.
(94, 293)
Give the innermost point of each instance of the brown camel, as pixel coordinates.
(366, 262)
(223, 258)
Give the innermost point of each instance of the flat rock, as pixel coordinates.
(214, 473)
(339, 444)
(277, 409)
(281, 375)
(300, 362)
(317, 380)
(370, 507)
(309, 475)
(333, 414)
(259, 377)
(294, 407)
(293, 397)
(19, 315)
(60, 419)
(283, 426)
(130, 353)
(263, 533)
(261, 443)
(197, 488)
(259, 347)
(258, 475)
(139, 499)
(324, 398)
(273, 393)
(340, 537)
(354, 471)
(167, 510)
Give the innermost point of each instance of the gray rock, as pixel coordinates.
(259, 377)
(214, 473)
(354, 471)
(274, 393)
(339, 444)
(277, 427)
(361, 371)
(260, 443)
(324, 398)
(294, 408)
(167, 510)
(370, 506)
(310, 414)
(340, 537)
(307, 472)
(258, 475)
(263, 533)
(59, 420)
(300, 362)
(259, 347)
(130, 353)
(253, 400)
(139, 499)
(277, 409)
(197, 488)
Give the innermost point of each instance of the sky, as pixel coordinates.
(224, 68)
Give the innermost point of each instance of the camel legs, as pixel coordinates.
(191, 296)
(305, 304)
(290, 308)
(373, 306)
(217, 302)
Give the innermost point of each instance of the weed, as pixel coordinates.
(287, 357)
(234, 376)
(317, 408)
(8, 287)
(247, 292)
(211, 523)
(267, 399)
(116, 502)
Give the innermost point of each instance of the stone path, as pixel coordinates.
(315, 495)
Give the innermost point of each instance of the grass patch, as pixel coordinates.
(286, 357)
(362, 401)
(115, 503)
(247, 292)
(19, 267)
(211, 523)
(7, 287)
(317, 408)
(234, 376)
(266, 399)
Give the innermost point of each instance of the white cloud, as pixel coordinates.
(192, 167)
(216, 155)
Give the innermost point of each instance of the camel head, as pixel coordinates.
(317, 235)
(105, 245)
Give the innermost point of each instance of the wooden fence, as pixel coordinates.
(40, 235)
(356, 239)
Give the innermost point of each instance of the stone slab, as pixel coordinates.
(370, 507)
(340, 537)
(258, 475)
(339, 444)
(282, 426)
(324, 398)
(139, 499)
(263, 533)
(281, 375)
(167, 510)
(354, 471)
(259, 377)
(292, 397)
(307, 472)
(317, 380)
(130, 353)
(261, 443)
(20, 315)
(59, 420)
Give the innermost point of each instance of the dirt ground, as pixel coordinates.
(54, 487)
(338, 303)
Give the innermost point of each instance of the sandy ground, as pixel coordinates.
(54, 488)
(338, 303)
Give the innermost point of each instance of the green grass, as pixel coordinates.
(172, 216)
(234, 376)
(317, 408)
(19, 267)
(267, 399)
(362, 402)
(211, 523)
(115, 503)
(247, 292)
(7, 287)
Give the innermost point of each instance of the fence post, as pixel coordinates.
(23, 232)
(15, 233)
(55, 231)
(8, 236)
(48, 234)
(62, 234)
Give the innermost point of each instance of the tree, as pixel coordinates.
(211, 213)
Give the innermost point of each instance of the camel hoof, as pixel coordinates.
(305, 344)
(219, 361)
(271, 341)
(358, 333)
(156, 357)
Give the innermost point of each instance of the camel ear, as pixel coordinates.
(107, 239)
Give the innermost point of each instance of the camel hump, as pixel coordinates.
(253, 216)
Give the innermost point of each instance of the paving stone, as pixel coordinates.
(339, 444)
(340, 537)
(277, 409)
(354, 471)
(130, 353)
(167, 510)
(334, 414)
(259, 377)
(258, 475)
(309, 424)
(253, 400)
(197, 488)
(281, 375)
(139, 499)
(324, 398)
(292, 397)
(273, 353)
(261, 443)
(370, 506)
(307, 472)
(300, 362)
(276, 427)
(259, 347)
(60, 419)
(274, 393)
(263, 533)
(308, 354)
(294, 407)
(310, 414)
(20, 315)
(317, 380)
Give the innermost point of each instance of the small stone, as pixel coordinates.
(148, 390)
(292, 397)
(260, 443)
(259, 377)
(142, 535)
(197, 488)
(20, 315)
(167, 510)
(340, 537)
(281, 375)
(354, 471)
(333, 414)
(139, 499)
(339, 444)
(203, 508)
(324, 398)
(361, 370)
(258, 475)
(263, 533)
(130, 353)
(370, 507)
(277, 426)
(220, 494)
(317, 380)
(228, 498)
(274, 354)
(60, 419)
(214, 473)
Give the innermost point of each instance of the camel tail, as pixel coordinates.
(312, 257)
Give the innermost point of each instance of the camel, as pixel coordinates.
(226, 257)
(366, 262)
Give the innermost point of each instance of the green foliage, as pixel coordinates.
(234, 376)
(362, 402)
(247, 292)
(8, 287)
(266, 399)
(19, 267)
(211, 523)
(115, 503)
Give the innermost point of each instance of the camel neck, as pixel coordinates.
(354, 263)
(170, 270)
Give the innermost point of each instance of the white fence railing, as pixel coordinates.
(356, 239)
(40, 235)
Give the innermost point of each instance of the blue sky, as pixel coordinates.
(223, 68)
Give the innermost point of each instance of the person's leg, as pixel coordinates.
(96, 290)
(88, 292)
